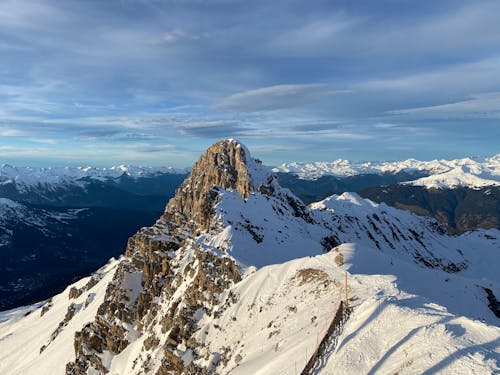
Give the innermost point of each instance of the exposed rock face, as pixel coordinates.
(225, 165)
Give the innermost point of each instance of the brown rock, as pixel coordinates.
(223, 165)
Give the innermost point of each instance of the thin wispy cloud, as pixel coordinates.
(176, 35)
(9, 132)
(479, 106)
(277, 97)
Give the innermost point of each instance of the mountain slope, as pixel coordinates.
(51, 326)
(234, 278)
(469, 176)
(459, 209)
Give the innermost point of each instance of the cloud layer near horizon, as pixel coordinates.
(155, 82)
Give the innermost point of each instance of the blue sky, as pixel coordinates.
(155, 82)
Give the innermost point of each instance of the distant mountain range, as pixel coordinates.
(29, 177)
(131, 188)
(467, 172)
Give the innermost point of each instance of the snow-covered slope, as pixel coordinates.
(468, 175)
(239, 277)
(410, 322)
(38, 339)
(281, 310)
(26, 178)
(469, 172)
(271, 320)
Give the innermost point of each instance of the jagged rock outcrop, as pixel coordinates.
(227, 165)
(160, 261)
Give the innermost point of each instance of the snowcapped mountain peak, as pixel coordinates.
(355, 199)
(346, 203)
(462, 175)
(225, 165)
(470, 172)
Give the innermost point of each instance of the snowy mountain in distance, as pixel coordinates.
(239, 276)
(468, 172)
(25, 178)
(124, 187)
(466, 175)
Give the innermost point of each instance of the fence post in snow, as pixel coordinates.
(346, 293)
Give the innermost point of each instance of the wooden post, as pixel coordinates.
(346, 293)
(307, 357)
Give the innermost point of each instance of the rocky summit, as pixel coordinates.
(225, 165)
(239, 276)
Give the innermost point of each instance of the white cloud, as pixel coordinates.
(313, 36)
(47, 141)
(385, 125)
(471, 26)
(22, 152)
(31, 15)
(485, 105)
(175, 35)
(9, 132)
(277, 97)
(478, 76)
